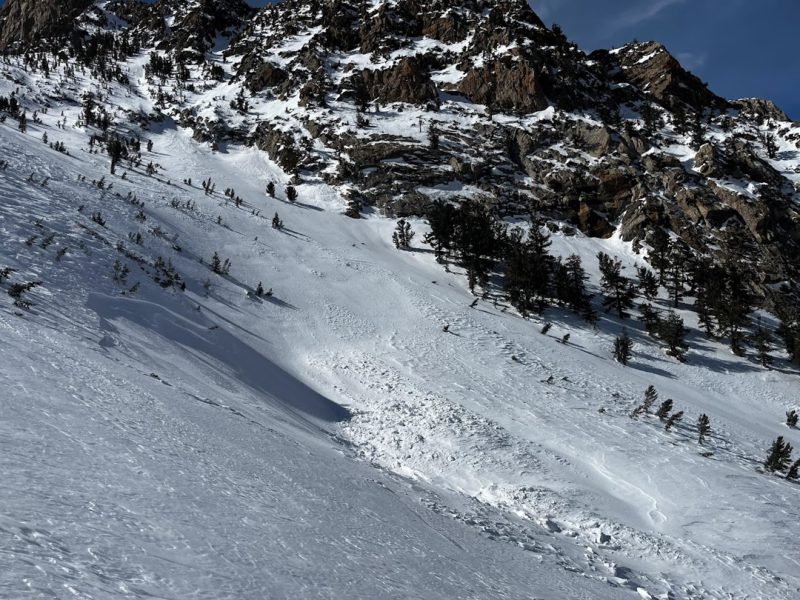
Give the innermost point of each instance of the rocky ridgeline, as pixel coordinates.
(402, 102)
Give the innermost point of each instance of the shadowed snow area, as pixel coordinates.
(219, 350)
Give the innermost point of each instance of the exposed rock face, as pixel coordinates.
(188, 27)
(505, 85)
(24, 23)
(760, 107)
(652, 68)
(262, 76)
(279, 145)
(407, 82)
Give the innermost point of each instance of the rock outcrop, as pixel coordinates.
(26, 23)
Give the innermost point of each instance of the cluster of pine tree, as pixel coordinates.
(532, 278)
(666, 416)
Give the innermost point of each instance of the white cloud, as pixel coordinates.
(546, 9)
(643, 11)
(613, 21)
(691, 60)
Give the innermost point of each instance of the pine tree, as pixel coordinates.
(476, 238)
(442, 218)
(546, 328)
(703, 310)
(271, 189)
(659, 254)
(637, 411)
(791, 418)
(703, 428)
(402, 235)
(117, 150)
(672, 332)
(650, 397)
(623, 347)
(529, 269)
(698, 130)
(770, 145)
(291, 193)
(618, 291)
(789, 331)
(259, 290)
(675, 272)
(650, 318)
(663, 411)
(650, 118)
(680, 119)
(216, 263)
(648, 283)
(732, 308)
(780, 455)
(673, 420)
(762, 340)
(276, 222)
(577, 298)
(794, 470)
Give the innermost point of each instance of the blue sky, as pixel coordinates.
(740, 47)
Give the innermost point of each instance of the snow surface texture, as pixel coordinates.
(331, 440)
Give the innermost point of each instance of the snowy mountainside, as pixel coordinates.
(169, 432)
(151, 449)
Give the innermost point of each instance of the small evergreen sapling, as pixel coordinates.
(674, 419)
(17, 290)
(5, 273)
(271, 189)
(663, 411)
(402, 235)
(650, 397)
(780, 455)
(291, 193)
(791, 418)
(220, 267)
(120, 272)
(623, 347)
(637, 411)
(276, 222)
(703, 428)
(793, 470)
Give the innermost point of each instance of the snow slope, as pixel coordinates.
(332, 440)
(153, 450)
